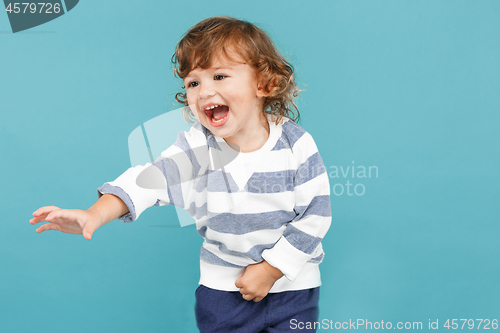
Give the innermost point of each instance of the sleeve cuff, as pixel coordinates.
(286, 258)
(136, 197)
(119, 192)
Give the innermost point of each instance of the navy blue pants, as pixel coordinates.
(227, 311)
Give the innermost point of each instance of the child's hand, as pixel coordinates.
(257, 280)
(71, 221)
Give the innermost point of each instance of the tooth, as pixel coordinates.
(212, 106)
(218, 121)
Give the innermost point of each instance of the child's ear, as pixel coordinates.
(261, 92)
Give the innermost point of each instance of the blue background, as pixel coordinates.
(411, 87)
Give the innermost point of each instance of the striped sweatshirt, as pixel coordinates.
(272, 204)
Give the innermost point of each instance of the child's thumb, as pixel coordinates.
(88, 231)
(237, 283)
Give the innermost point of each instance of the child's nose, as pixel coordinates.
(206, 91)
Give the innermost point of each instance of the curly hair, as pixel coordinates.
(214, 37)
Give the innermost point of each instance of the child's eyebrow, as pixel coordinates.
(222, 67)
(212, 68)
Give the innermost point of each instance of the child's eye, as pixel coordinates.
(192, 84)
(219, 77)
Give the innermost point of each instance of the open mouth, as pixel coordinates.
(218, 115)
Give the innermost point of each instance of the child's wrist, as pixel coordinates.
(272, 271)
(97, 215)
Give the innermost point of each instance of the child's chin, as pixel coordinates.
(221, 132)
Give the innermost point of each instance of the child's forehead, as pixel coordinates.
(230, 60)
(227, 57)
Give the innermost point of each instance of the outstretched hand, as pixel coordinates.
(257, 280)
(71, 221)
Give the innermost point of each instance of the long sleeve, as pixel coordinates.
(136, 198)
(172, 179)
(301, 240)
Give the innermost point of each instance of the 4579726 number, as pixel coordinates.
(471, 324)
(34, 7)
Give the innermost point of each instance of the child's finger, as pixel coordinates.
(47, 226)
(40, 215)
(36, 220)
(44, 210)
(66, 214)
(87, 233)
(50, 215)
(238, 283)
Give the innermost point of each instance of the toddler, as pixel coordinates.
(263, 214)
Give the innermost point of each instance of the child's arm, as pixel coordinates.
(76, 221)
(300, 243)
(120, 199)
(257, 280)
